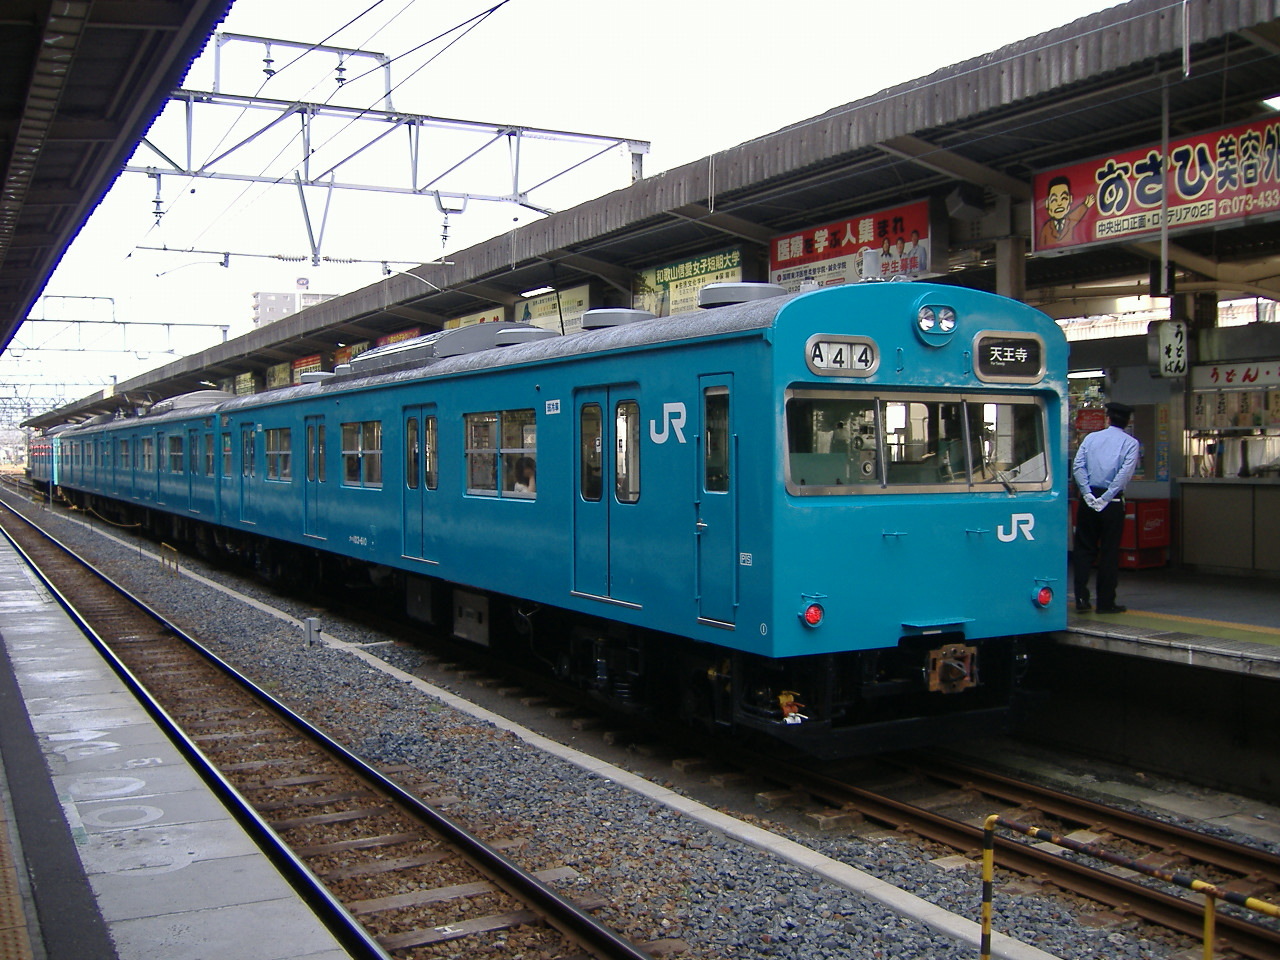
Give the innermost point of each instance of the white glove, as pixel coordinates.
(1089, 499)
(1100, 503)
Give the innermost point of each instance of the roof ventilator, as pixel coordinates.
(512, 336)
(197, 398)
(431, 348)
(607, 317)
(725, 294)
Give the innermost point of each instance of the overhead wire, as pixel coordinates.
(466, 26)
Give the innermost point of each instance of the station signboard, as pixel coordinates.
(1222, 177)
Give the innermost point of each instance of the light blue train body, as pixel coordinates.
(831, 516)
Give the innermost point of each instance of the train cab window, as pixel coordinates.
(279, 450)
(716, 443)
(838, 442)
(831, 441)
(590, 430)
(175, 455)
(924, 442)
(1008, 444)
(362, 454)
(627, 462)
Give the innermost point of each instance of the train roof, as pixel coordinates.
(452, 352)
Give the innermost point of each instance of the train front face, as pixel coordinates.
(921, 513)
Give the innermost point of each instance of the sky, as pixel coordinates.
(691, 77)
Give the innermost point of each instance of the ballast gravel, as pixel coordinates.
(672, 879)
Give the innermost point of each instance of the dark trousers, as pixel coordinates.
(1098, 539)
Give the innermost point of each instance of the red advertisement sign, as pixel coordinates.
(882, 244)
(1217, 177)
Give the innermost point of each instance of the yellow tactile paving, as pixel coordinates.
(14, 942)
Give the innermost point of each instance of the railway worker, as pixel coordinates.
(1103, 467)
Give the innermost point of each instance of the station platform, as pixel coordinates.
(1214, 622)
(110, 843)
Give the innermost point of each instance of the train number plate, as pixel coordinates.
(842, 356)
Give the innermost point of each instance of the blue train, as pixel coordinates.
(837, 518)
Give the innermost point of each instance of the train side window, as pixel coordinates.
(502, 453)
(148, 454)
(362, 454)
(519, 453)
(279, 449)
(482, 453)
(590, 426)
(716, 443)
(124, 455)
(627, 462)
(226, 454)
(208, 454)
(412, 454)
(430, 452)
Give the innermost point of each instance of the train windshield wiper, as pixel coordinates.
(1004, 477)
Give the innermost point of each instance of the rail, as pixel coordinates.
(1212, 893)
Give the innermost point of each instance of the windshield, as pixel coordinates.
(846, 442)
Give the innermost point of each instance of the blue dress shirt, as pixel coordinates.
(1106, 459)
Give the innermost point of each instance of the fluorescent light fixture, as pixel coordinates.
(1085, 374)
(538, 291)
(1272, 103)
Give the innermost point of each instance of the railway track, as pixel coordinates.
(382, 865)
(945, 802)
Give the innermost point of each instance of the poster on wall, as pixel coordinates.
(673, 287)
(1225, 176)
(560, 310)
(895, 242)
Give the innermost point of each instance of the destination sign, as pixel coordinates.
(834, 356)
(1008, 357)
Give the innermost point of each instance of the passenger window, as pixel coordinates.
(590, 424)
(279, 448)
(362, 454)
(502, 453)
(627, 463)
(716, 443)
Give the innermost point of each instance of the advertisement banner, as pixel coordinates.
(673, 287)
(1225, 176)
(879, 245)
(484, 316)
(550, 310)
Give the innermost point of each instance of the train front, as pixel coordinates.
(920, 522)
